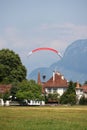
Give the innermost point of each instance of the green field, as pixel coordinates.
(43, 118)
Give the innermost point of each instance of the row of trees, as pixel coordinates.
(30, 90)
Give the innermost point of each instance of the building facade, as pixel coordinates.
(56, 84)
(84, 89)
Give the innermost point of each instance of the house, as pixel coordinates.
(56, 84)
(79, 92)
(3, 89)
(84, 89)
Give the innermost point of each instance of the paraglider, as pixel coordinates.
(44, 48)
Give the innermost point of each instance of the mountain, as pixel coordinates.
(73, 65)
(75, 56)
(47, 72)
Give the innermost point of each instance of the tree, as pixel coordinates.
(6, 96)
(11, 67)
(85, 83)
(52, 98)
(29, 90)
(83, 100)
(14, 90)
(69, 97)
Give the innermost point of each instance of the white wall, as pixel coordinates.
(36, 103)
(60, 91)
(1, 102)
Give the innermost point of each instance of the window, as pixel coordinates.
(49, 90)
(55, 90)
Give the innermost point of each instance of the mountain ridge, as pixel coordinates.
(73, 65)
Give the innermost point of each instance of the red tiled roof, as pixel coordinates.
(57, 82)
(5, 88)
(84, 87)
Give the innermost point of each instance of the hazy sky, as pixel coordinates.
(28, 24)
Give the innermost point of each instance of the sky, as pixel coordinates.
(29, 24)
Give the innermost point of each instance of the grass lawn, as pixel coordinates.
(43, 118)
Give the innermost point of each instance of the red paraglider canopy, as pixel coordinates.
(45, 48)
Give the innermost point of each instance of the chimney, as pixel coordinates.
(53, 76)
(62, 77)
(38, 80)
(77, 85)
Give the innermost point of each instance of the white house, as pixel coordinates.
(84, 89)
(57, 83)
(79, 92)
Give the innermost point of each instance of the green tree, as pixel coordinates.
(85, 82)
(11, 67)
(52, 98)
(14, 90)
(29, 90)
(83, 101)
(6, 96)
(69, 97)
